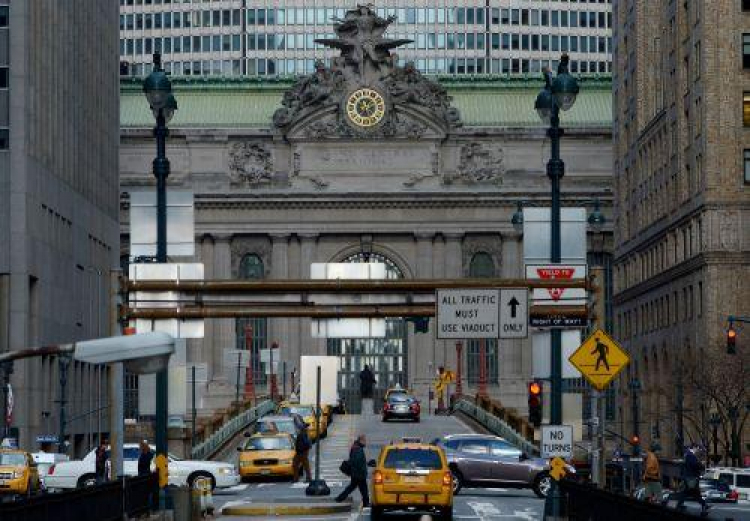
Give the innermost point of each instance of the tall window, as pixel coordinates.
(482, 266)
(747, 165)
(252, 333)
(746, 109)
(746, 51)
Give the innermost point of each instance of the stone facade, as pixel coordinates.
(418, 188)
(681, 206)
(58, 205)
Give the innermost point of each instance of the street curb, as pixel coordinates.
(281, 509)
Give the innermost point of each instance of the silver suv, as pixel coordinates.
(478, 460)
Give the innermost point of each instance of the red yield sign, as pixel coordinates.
(558, 296)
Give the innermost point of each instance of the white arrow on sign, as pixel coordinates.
(514, 313)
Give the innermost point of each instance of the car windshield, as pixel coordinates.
(12, 458)
(400, 398)
(295, 409)
(413, 459)
(269, 443)
(743, 480)
(277, 426)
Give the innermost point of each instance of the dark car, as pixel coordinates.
(717, 491)
(402, 406)
(478, 460)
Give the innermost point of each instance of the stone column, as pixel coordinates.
(438, 271)
(279, 328)
(515, 355)
(307, 345)
(224, 328)
(422, 354)
(453, 269)
(198, 348)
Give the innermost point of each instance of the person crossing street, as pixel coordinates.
(358, 472)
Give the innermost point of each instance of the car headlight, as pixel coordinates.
(17, 474)
(286, 462)
(226, 470)
(245, 463)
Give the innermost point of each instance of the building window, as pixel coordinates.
(746, 5)
(746, 109)
(747, 166)
(482, 266)
(253, 331)
(746, 51)
(4, 139)
(4, 16)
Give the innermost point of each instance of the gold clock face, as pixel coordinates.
(365, 107)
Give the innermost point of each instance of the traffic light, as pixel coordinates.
(422, 324)
(635, 441)
(731, 340)
(535, 403)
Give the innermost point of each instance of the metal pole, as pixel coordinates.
(595, 447)
(273, 373)
(283, 378)
(249, 380)
(459, 356)
(680, 425)
(317, 486)
(115, 384)
(63, 361)
(237, 384)
(192, 429)
(482, 368)
(161, 172)
(555, 171)
(602, 470)
(7, 371)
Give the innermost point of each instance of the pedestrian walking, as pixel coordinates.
(691, 472)
(144, 459)
(366, 382)
(652, 474)
(100, 462)
(301, 458)
(358, 472)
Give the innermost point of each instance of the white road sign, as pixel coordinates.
(558, 296)
(514, 313)
(467, 313)
(557, 441)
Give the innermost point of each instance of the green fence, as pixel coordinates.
(495, 425)
(230, 429)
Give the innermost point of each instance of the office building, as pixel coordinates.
(59, 235)
(682, 202)
(256, 38)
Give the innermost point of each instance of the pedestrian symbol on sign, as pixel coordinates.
(602, 351)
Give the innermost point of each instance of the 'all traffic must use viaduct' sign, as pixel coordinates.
(482, 313)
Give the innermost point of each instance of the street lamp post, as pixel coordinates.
(7, 368)
(558, 94)
(158, 91)
(63, 361)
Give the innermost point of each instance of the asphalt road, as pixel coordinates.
(469, 505)
(496, 504)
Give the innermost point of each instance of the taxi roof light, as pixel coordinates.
(411, 439)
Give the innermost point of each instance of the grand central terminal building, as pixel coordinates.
(366, 159)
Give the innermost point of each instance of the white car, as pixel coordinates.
(81, 473)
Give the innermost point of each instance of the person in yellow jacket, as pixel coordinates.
(652, 474)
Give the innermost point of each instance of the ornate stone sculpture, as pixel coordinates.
(365, 62)
(250, 163)
(479, 163)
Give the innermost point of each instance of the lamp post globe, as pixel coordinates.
(157, 86)
(565, 87)
(545, 102)
(169, 108)
(596, 220)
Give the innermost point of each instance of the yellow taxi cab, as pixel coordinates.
(18, 473)
(266, 455)
(307, 412)
(414, 477)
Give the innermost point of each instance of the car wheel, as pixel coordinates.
(416, 419)
(457, 480)
(376, 513)
(446, 514)
(542, 485)
(87, 480)
(193, 477)
(385, 418)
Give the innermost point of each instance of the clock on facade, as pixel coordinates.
(365, 107)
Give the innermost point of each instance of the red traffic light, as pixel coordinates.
(535, 388)
(731, 334)
(731, 340)
(635, 440)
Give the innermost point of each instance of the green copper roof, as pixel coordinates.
(484, 101)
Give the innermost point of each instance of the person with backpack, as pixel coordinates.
(301, 459)
(356, 466)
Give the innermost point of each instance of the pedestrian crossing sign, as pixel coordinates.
(600, 359)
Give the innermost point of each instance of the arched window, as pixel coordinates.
(252, 332)
(387, 357)
(482, 266)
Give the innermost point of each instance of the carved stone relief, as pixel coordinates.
(478, 163)
(492, 245)
(241, 246)
(250, 163)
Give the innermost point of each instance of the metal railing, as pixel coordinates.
(585, 502)
(230, 429)
(496, 426)
(111, 501)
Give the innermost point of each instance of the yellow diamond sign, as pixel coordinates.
(599, 359)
